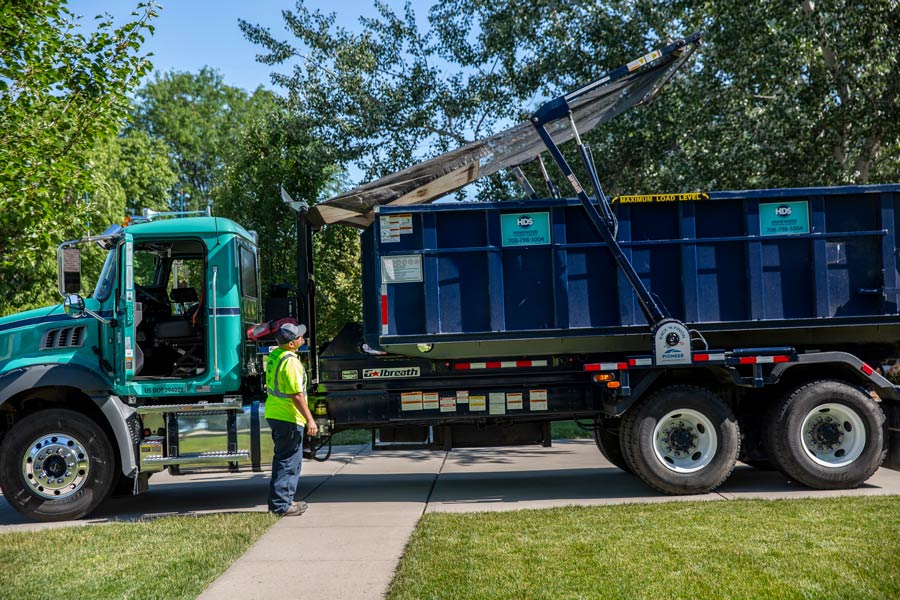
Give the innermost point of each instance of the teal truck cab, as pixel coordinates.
(94, 392)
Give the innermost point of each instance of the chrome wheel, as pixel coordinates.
(55, 466)
(833, 435)
(685, 441)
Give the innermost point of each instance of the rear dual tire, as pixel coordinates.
(827, 435)
(681, 440)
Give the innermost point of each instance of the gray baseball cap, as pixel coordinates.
(288, 332)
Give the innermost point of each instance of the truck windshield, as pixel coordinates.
(107, 277)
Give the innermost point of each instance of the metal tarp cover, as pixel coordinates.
(591, 105)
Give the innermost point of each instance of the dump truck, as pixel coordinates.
(686, 331)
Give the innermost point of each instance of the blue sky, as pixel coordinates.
(191, 34)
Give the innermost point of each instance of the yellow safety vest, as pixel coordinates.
(284, 378)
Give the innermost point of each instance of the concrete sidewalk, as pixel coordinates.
(349, 542)
(365, 505)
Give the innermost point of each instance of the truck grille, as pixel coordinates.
(65, 337)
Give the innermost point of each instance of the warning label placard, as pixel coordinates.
(430, 400)
(393, 226)
(661, 198)
(406, 268)
(411, 401)
(537, 399)
(476, 403)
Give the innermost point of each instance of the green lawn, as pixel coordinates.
(822, 548)
(172, 557)
(567, 430)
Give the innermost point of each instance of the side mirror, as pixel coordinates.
(73, 306)
(68, 262)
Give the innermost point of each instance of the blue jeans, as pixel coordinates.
(286, 463)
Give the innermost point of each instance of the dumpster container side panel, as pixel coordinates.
(788, 291)
(592, 276)
(659, 265)
(463, 292)
(406, 310)
(855, 278)
(464, 229)
(463, 284)
(888, 254)
(722, 282)
(660, 269)
(528, 286)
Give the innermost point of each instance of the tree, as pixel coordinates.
(200, 119)
(128, 173)
(278, 150)
(60, 93)
(790, 93)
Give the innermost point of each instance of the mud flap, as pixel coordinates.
(892, 412)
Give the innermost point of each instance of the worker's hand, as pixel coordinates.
(312, 428)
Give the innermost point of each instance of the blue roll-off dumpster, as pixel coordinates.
(808, 268)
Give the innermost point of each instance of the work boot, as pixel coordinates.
(294, 511)
(303, 505)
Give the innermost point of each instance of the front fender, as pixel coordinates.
(93, 385)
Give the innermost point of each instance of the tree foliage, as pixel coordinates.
(130, 172)
(278, 150)
(782, 93)
(61, 92)
(200, 119)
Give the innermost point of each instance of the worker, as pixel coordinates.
(289, 416)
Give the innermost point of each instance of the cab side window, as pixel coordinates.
(249, 284)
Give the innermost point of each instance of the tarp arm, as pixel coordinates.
(551, 187)
(602, 225)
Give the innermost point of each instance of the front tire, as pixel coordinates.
(681, 440)
(827, 435)
(56, 465)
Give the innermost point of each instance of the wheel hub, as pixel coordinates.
(825, 434)
(685, 441)
(680, 438)
(55, 466)
(833, 435)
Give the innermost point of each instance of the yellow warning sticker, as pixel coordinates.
(476, 403)
(648, 198)
(636, 63)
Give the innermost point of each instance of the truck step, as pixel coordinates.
(199, 458)
(159, 409)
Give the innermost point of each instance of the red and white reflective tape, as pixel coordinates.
(640, 362)
(384, 310)
(500, 364)
(606, 366)
(759, 360)
(709, 357)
